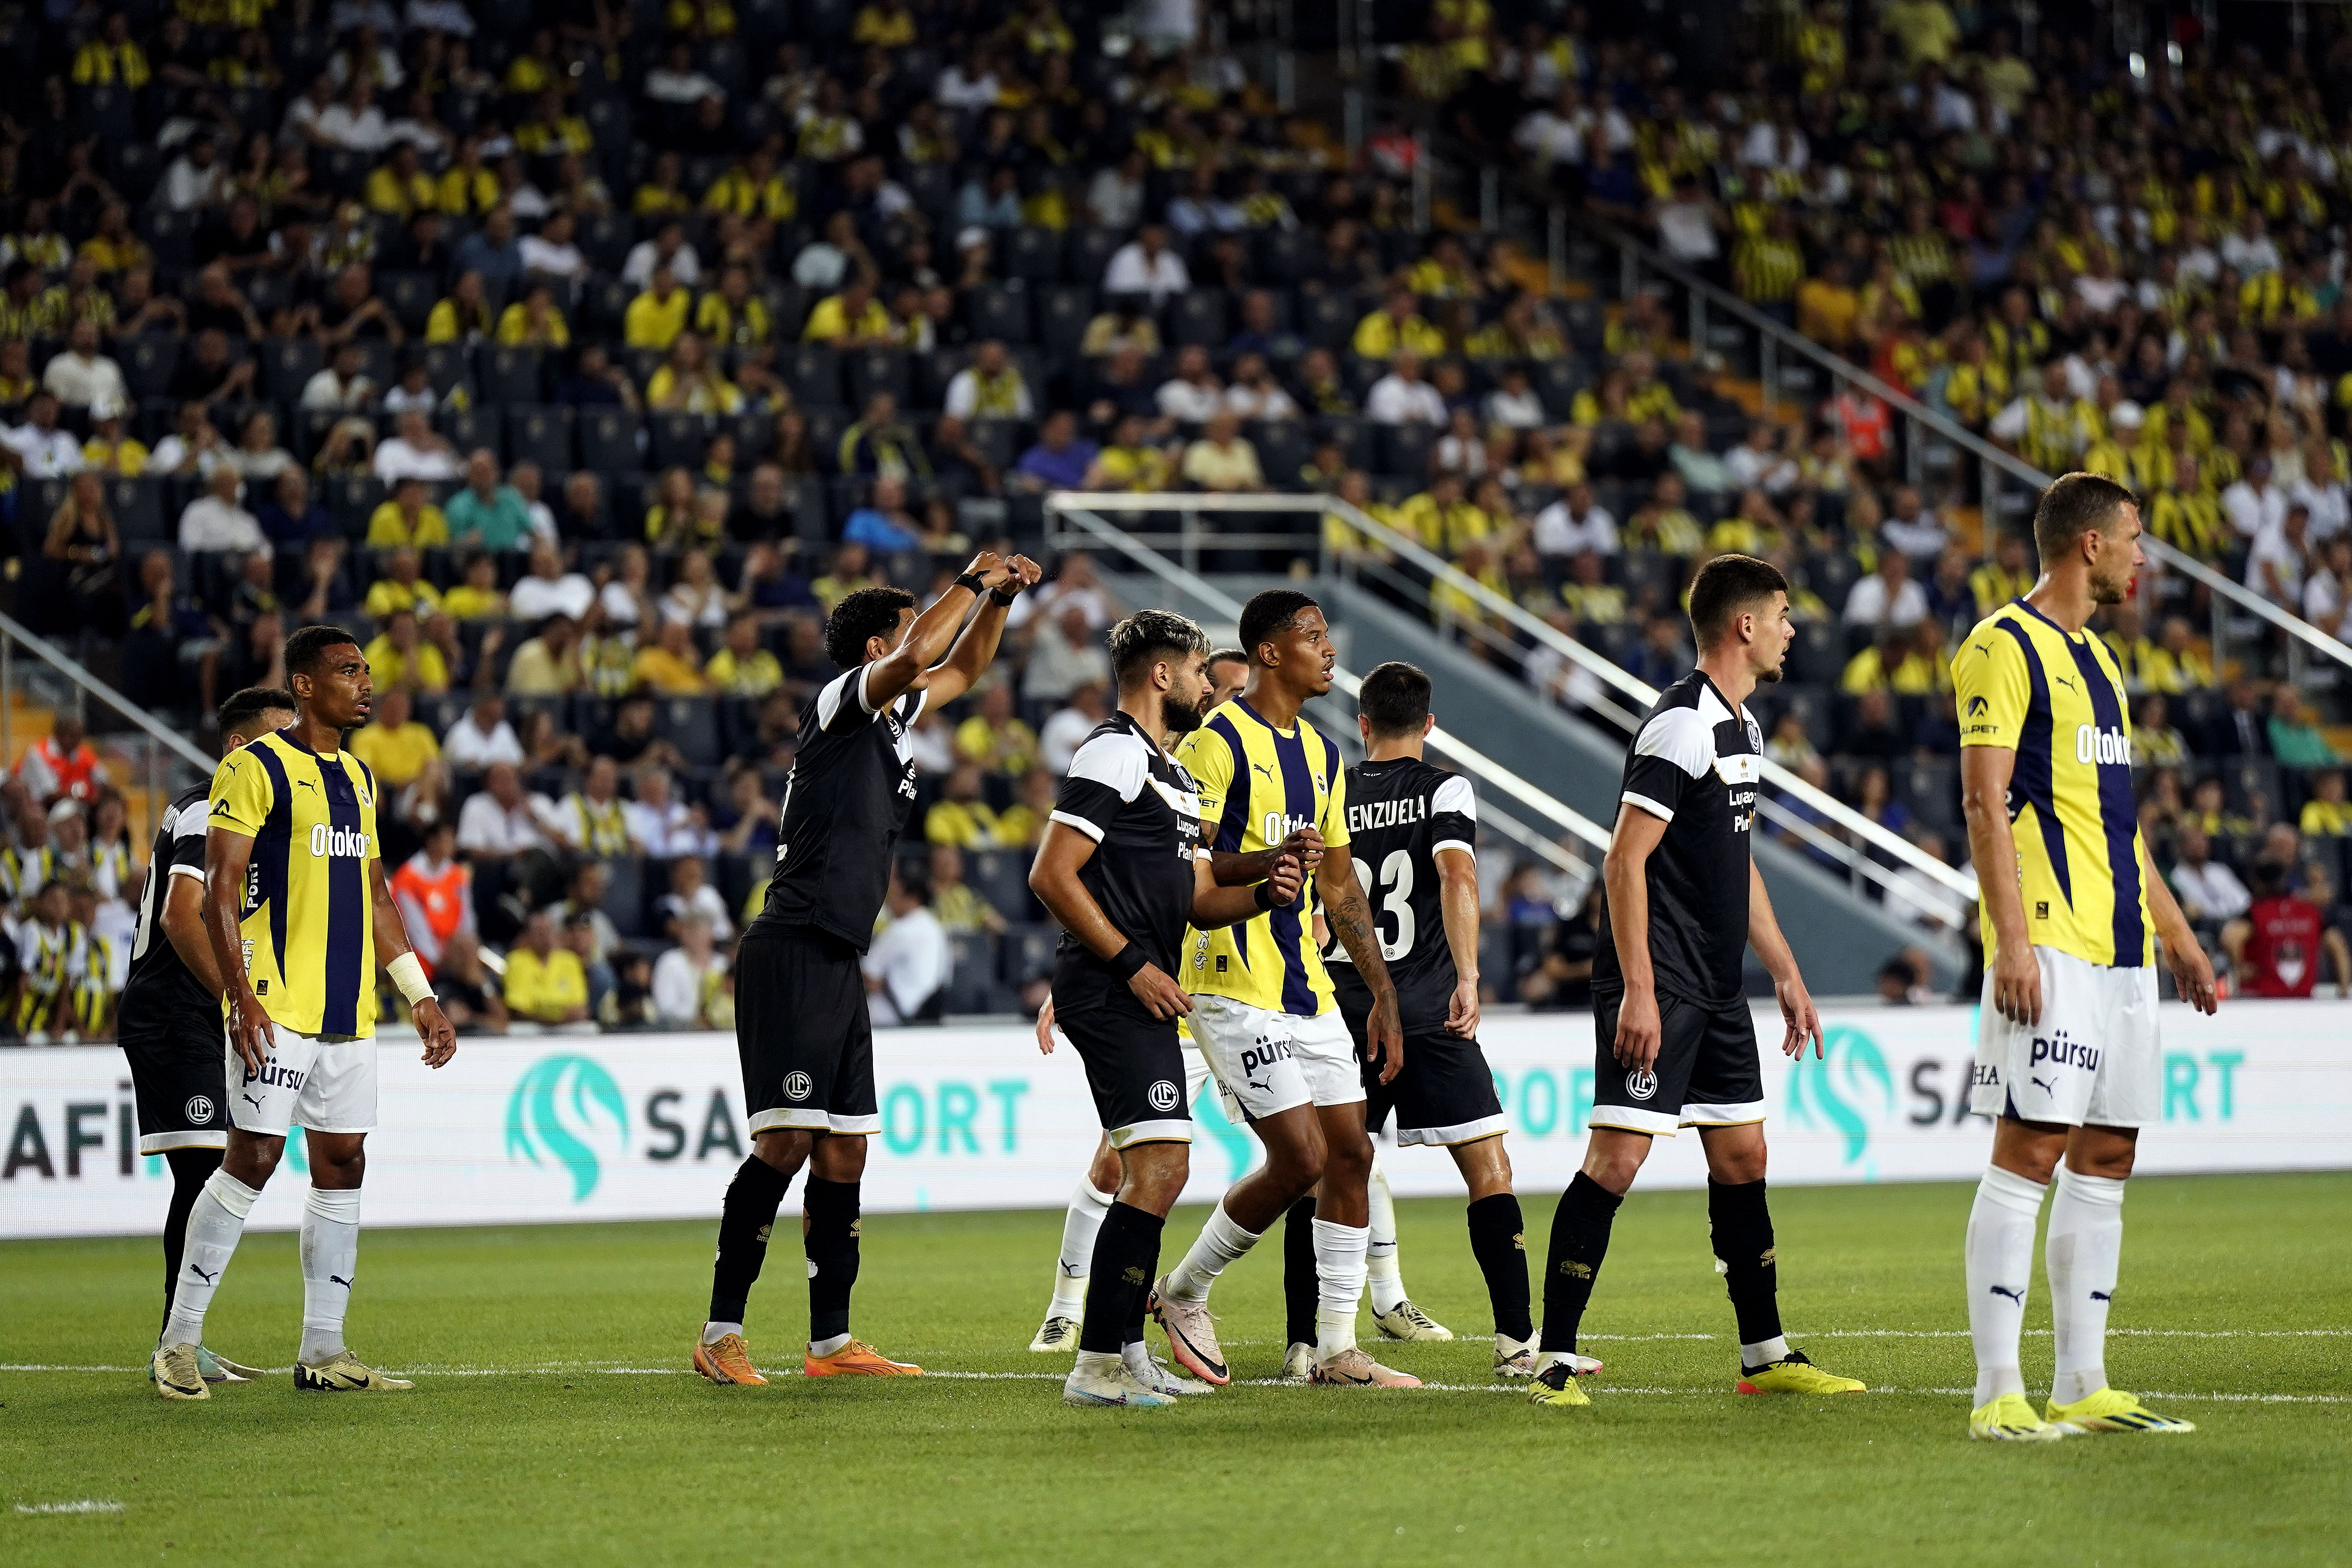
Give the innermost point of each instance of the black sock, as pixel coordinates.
(1580, 1240)
(1742, 1223)
(753, 1199)
(1498, 1241)
(832, 1244)
(1299, 1287)
(1148, 1256)
(1120, 1280)
(191, 1169)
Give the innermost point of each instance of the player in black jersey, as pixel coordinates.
(1415, 829)
(170, 1013)
(1122, 868)
(1675, 1042)
(801, 1025)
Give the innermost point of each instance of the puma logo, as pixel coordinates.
(2045, 1085)
(307, 784)
(207, 1278)
(339, 1279)
(1263, 768)
(250, 1101)
(2068, 682)
(2017, 1296)
(2101, 1296)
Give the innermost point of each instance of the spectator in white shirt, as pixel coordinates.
(990, 387)
(1067, 653)
(1514, 403)
(46, 451)
(682, 974)
(662, 825)
(354, 121)
(1574, 524)
(1192, 396)
(417, 452)
(969, 83)
(448, 17)
(196, 176)
(550, 253)
(2276, 563)
(2249, 248)
(2208, 889)
(690, 893)
(1887, 596)
(2253, 503)
(667, 245)
(676, 81)
(1756, 463)
(2322, 491)
(302, 115)
(81, 376)
(340, 384)
(549, 590)
(1115, 196)
(1255, 394)
(1144, 265)
(481, 737)
(910, 960)
(215, 521)
(1074, 583)
(500, 821)
(1914, 527)
(1067, 729)
(1402, 397)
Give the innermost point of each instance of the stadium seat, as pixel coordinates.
(870, 371)
(147, 362)
(997, 311)
(812, 372)
(1327, 318)
(409, 296)
(691, 724)
(286, 365)
(608, 439)
(1197, 319)
(1086, 254)
(1063, 312)
(509, 375)
(1033, 254)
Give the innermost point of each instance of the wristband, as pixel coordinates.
(1128, 962)
(1264, 895)
(1003, 597)
(408, 975)
(970, 580)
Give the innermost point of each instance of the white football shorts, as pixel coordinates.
(1268, 1062)
(325, 1086)
(2092, 1060)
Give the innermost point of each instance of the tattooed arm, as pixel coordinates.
(1342, 899)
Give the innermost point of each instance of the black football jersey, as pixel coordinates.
(1696, 765)
(1401, 813)
(1143, 811)
(160, 978)
(846, 803)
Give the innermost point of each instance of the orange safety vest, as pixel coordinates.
(75, 773)
(442, 897)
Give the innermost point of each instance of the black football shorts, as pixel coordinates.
(803, 1034)
(1706, 1074)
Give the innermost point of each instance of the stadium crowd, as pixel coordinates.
(582, 361)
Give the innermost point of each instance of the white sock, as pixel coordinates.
(714, 1333)
(1547, 1360)
(214, 1223)
(1339, 1258)
(827, 1345)
(1999, 1270)
(2084, 1254)
(1220, 1242)
(1100, 1365)
(1764, 1354)
(1384, 1274)
(1087, 1208)
(330, 1260)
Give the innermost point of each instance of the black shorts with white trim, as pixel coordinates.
(802, 1032)
(1135, 1064)
(1444, 1094)
(179, 1074)
(1707, 1073)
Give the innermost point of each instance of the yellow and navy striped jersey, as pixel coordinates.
(309, 911)
(1259, 785)
(2056, 698)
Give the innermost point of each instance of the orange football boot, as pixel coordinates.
(858, 1359)
(729, 1361)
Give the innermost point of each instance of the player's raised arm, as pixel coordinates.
(976, 648)
(1622, 871)
(398, 961)
(1798, 1015)
(1053, 878)
(901, 668)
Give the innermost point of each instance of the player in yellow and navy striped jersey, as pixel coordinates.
(1263, 1015)
(2067, 1052)
(299, 916)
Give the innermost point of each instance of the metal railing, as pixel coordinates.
(1958, 886)
(162, 739)
(1536, 802)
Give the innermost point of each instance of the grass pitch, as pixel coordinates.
(553, 1421)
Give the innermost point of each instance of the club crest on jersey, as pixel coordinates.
(2093, 744)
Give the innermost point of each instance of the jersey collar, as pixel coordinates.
(1289, 735)
(2030, 609)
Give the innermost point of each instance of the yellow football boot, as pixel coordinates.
(1556, 1385)
(2010, 1419)
(1795, 1373)
(2112, 1410)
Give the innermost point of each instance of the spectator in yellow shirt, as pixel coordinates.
(409, 518)
(109, 450)
(401, 658)
(888, 22)
(655, 317)
(993, 736)
(2325, 814)
(465, 316)
(668, 665)
(545, 984)
(753, 189)
(477, 597)
(111, 59)
(400, 186)
(400, 588)
(853, 318)
(742, 667)
(961, 816)
(535, 321)
(466, 187)
(394, 744)
(733, 316)
(1130, 462)
(1396, 325)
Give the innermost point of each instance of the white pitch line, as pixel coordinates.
(84, 1506)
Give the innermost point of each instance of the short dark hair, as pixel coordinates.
(304, 648)
(868, 613)
(1270, 614)
(1147, 636)
(237, 714)
(1394, 698)
(2073, 506)
(1725, 586)
(1223, 654)
(915, 880)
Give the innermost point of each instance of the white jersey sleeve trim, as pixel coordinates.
(188, 823)
(1662, 813)
(829, 700)
(1681, 736)
(1116, 760)
(1443, 845)
(1456, 795)
(1071, 819)
(195, 871)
